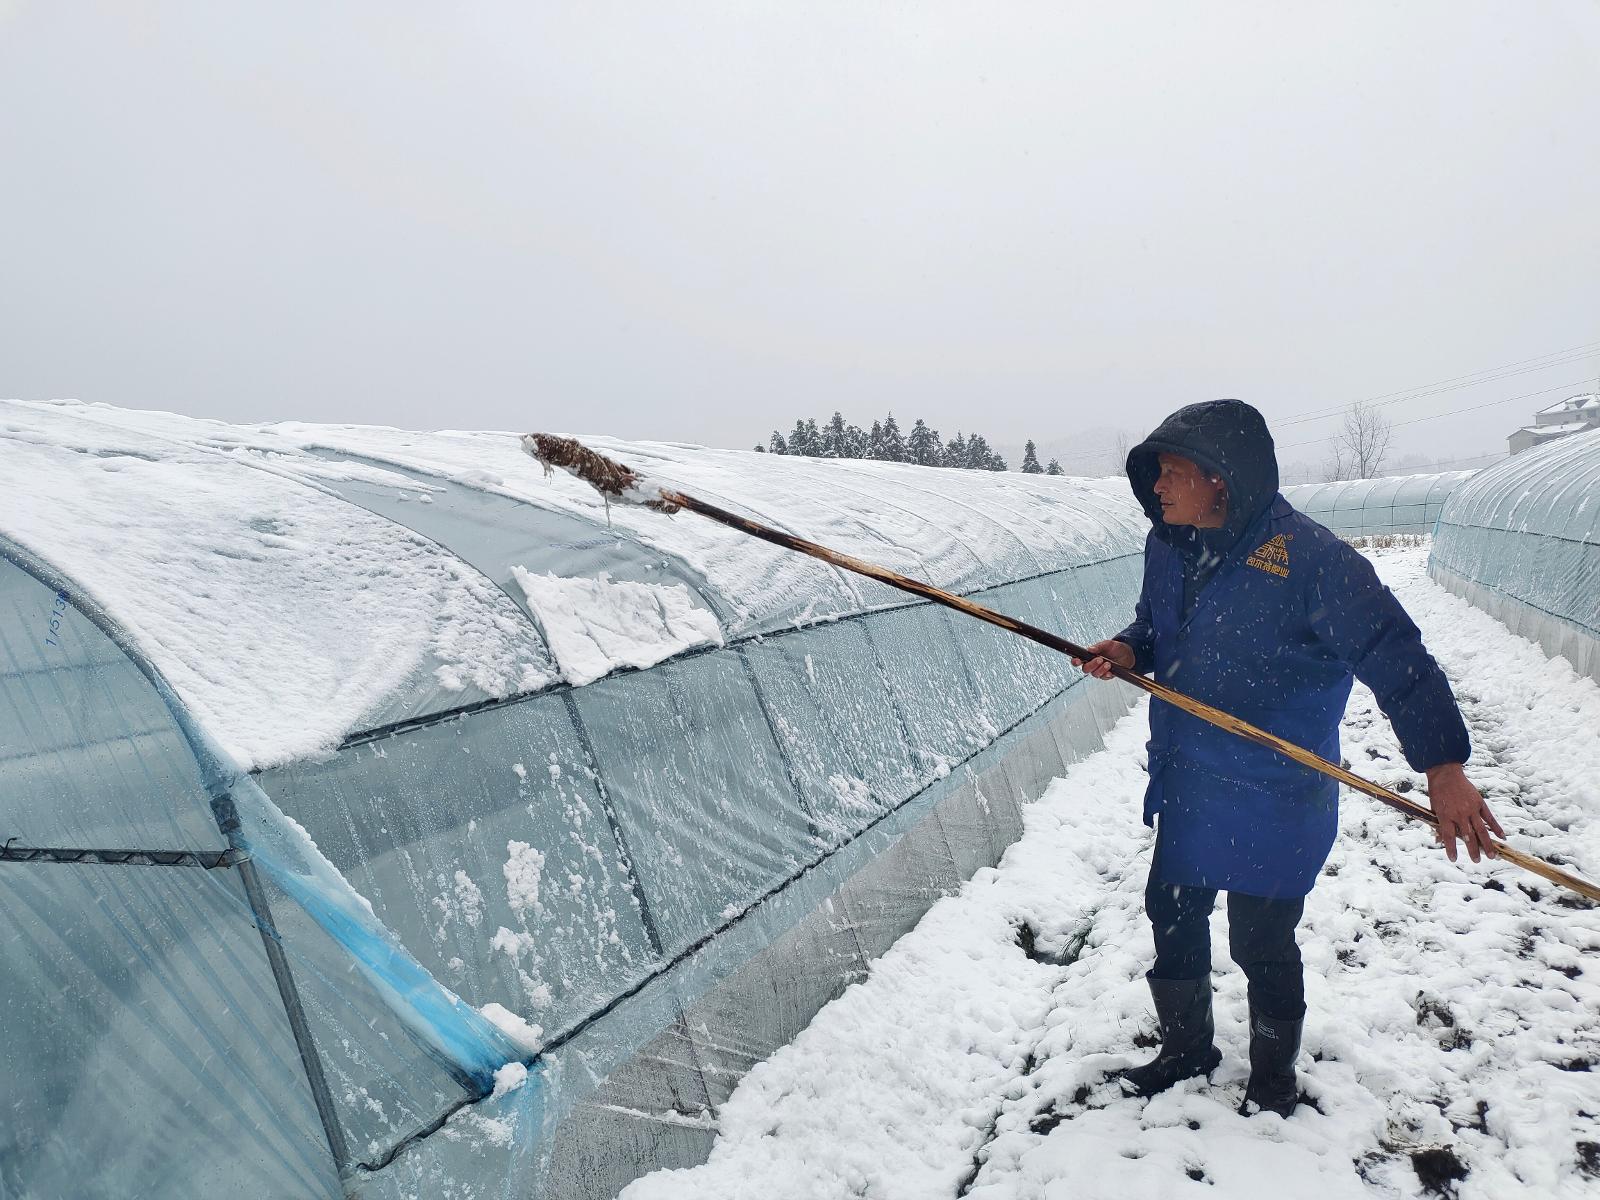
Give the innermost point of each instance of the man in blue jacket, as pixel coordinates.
(1258, 610)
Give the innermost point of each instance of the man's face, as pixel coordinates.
(1188, 495)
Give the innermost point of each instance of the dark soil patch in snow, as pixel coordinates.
(1028, 941)
(1430, 1009)
(1053, 1116)
(1046, 1122)
(1588, 1158)
(1196, 1174)
(1435, 1013)
(1438, 1169)
(1479, 1122)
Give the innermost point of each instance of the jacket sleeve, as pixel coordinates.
(1355, 615)
(1141, 635)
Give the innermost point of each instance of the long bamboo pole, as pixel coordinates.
(618, 482)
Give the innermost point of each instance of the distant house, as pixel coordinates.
(1572, 415)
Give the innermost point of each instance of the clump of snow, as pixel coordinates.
(596, 625)
(471, 1126)
(853, 794)
(462, 902)
(523, 870)
(523, 949)
(527, 1036)
(1450, 1045)
(509, 1078)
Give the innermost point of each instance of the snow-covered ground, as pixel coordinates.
(1450, 1046)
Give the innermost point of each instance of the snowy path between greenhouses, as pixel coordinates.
(1450, 1046)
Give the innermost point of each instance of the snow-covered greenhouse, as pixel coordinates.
(1359, 507)
(1522, 542)
(382, 819)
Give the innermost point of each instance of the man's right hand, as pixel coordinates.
(1105, 653)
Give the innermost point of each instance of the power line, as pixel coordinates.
(1555, 358)
(1495, 455)
(1451, 412)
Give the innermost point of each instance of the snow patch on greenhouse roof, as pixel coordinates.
(300, 583)
(283, 617)
(594, 626)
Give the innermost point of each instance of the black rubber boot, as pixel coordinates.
(1183, 1007)
(1274, 1045)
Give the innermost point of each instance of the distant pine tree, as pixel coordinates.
(884, 441)
(805, 439)
(894, 442)
(760, 449)
(981, 456)
(955, 451)
(1054, 468)
(1030, 459)
(853, 444)
(875, 441)
(833, 437)
(923, 447)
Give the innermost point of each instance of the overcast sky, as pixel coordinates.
(696, 221)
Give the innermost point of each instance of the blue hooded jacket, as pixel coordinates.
(1279, 615)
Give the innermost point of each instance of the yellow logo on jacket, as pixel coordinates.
(1272, 556)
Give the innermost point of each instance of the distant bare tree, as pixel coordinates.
(1361, 444)
(1120, 445)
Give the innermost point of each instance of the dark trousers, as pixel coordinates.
(1260, 940)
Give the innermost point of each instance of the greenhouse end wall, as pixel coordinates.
(1522, 542)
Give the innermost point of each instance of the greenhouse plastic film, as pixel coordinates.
(143, 1047)
(1392, 504)
(700, 792)
(89, 753)
(485, 845)
(830, 706)
(1522, 540)
(660, 875)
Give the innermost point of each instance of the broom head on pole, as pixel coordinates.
(607, 476)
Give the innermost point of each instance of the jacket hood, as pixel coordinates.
(1227, 437)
